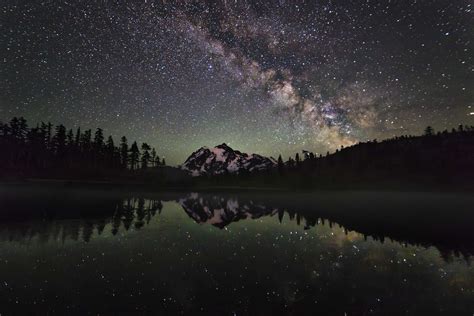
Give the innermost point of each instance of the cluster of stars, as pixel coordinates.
(272, 78)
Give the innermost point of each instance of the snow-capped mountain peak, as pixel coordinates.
(223, 159)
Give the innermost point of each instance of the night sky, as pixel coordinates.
(271, 77)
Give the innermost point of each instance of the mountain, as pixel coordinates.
(223, 159)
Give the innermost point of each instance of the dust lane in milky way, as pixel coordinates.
(272, 77)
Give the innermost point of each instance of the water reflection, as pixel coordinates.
(53, 222)
(114, 253)
(81, 217)
(220, 211)
(136, 212)
(451, 234)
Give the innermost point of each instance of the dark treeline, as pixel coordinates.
(437, 159)
(444, 158)
(48, 150)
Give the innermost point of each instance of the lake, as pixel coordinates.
(78, 251)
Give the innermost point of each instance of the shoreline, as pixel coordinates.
(150, 187)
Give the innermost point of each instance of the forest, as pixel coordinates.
(54, 151)
(443, 159)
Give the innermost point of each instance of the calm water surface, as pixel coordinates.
(66, 251)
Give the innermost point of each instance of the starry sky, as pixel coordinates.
(271, 77)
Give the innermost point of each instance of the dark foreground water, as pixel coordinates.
(70, 251)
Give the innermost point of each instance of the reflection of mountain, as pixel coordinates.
(221, 212)
(451, 235)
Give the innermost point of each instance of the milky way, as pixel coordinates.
(271, 77)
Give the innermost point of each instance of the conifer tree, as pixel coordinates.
(153, 157)
(145, 155)
(280, 164)
(110, 151)
(134, 156)
(124, 152)
(297, 160)
(429, 131)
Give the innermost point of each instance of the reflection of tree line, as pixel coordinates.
(125, 214)
(135, 213)
(221, 212)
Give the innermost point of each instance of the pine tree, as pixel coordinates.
(48, 136)
(59, 141)
(110, 152)
(290, 163)
(70, 147)
(3, 130)
(145, 155)
(18, 129)
(78, 137)
(70, 138)
(124, 152)
(280, 164)
(153, 157)
(86, 140)
(134, 156)
(297, 160)
(99, 140)
(429, 131)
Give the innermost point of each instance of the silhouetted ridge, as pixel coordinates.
(443, 159)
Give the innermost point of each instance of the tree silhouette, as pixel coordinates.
(134, 156)
(99, 140)
(124, 152)
(429, 131)
(70, 138)
(86, 140)
(280, 164)
(49, 133)
(153, 157)
(34, 150)
(145, 155)
(18, 129)
(77, 139)
(110, 151)
(290, 163)
(59, 143)
(297, 160)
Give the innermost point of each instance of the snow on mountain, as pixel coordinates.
(223, 159)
